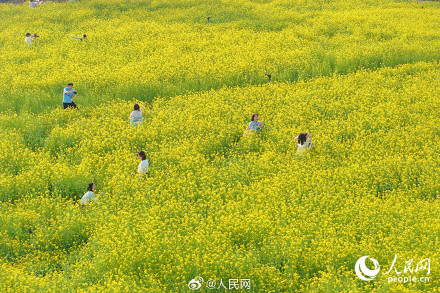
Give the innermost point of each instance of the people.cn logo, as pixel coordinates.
(365, 273)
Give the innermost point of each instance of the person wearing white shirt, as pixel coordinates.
(143, 166)
(136, 115)
(29, 38)
(304, 142)
(34, 3)
(79, 38)
(89, 195)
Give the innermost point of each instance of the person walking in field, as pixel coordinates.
(29, 38)
(304, 142)
(89, 195)
(68, 95)
(143, 166)
(255, 125)
(136, 115)
(79, 38)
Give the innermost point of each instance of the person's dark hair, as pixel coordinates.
(302, 137)
(70, 83)
(136, 107)
(253, 115)
(90, 186)
(84, 36)
(142, 155)
(28, 34)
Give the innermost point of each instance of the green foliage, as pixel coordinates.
(218, 202)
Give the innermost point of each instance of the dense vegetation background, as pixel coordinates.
(360, 76)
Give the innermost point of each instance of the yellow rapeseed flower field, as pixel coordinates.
(220, 206)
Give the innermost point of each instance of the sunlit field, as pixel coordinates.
(218, 203)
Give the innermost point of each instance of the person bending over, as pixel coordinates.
(79, 38)
(89, 195)
(304, 141)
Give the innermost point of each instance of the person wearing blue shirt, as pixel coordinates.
(68, 95)
(255, 125)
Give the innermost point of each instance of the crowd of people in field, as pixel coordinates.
(303, 140)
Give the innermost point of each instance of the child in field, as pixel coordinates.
(255, 125)
(29, 38)
(89, 195)
(79, 38)
(143, 166)
(304, 142)
(136, 115)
